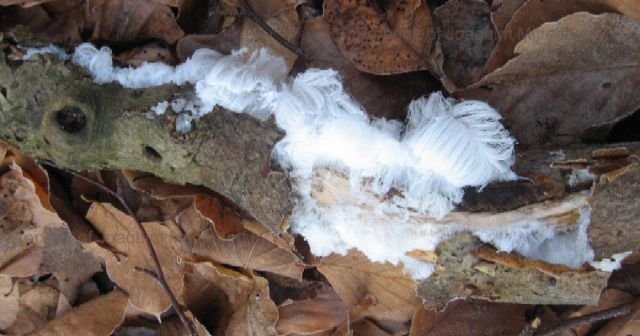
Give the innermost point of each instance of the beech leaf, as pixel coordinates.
(249, 251)
(568, 76)
(323, 312)
(353, 276)
(129, 262)
(533, 13)
(397, 43)
(466, 37)
(97, 317)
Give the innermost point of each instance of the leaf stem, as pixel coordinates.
(248, 11)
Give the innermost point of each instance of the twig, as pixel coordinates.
(154, 256)
(589, 318)
(248, 11)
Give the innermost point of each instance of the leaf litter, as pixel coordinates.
(221, 264)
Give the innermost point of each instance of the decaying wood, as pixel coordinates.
(53, 111)
(462, 273)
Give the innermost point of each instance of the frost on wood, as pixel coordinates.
(395, 183)
(444, 146)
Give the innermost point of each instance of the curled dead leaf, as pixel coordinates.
(242, 303)
(321, 313)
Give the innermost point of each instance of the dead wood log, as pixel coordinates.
(52, 110)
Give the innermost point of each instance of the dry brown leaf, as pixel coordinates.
(381, 96)
(150, 52)
(174, 327)
(159, 188)
(129, 260)
(9, 301)
(120, 21)
(241, 305)
(503, 11)
(39, 302)
(569, 75)
(97, 317)
(224, 42)
(59, 22)
(304, 317)
(367, 328)
(397, 43)
(470, 318)
(36, 241)
(624, 325)
(30, 169)
(249, 251)
(466, 37)
(353, 276)
(533, 13)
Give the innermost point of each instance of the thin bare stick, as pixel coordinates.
(589, 318)
(156, 261)
(248, 11)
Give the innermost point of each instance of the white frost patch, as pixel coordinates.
(580, 176)
(443, 147)
(49, 49)
(538, 240)
(612, 263)
(160, 108)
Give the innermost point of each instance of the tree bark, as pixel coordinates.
(51, 110)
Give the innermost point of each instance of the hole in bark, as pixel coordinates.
(71, 119)
(3, 92)
(152, 154)
(627, 129)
